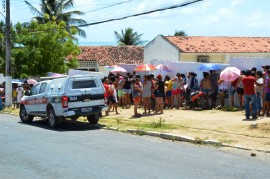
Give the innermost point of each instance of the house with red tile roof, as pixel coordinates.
(94, 58)
(205, 49)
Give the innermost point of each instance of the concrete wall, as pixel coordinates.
(160, 49)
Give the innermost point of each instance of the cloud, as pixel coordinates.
(236, 2)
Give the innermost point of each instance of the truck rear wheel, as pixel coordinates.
(93, 119)
(53, 120)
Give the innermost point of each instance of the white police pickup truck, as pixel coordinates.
(68, 97)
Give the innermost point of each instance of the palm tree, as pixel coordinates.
(128, 37)
(56, 10)
(180, 33)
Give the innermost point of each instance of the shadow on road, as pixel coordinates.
(65, 126)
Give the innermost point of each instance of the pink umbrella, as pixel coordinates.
(145, 67)
(163, 67)
(31, 81)
(119, 70)
(230, 74)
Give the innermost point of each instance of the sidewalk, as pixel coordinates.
(226, 128)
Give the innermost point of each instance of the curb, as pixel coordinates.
(173, 137)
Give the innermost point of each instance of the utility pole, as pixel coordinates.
(8, 87)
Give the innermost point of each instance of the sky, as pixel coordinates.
(206, 18)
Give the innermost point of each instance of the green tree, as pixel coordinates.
(57, 11)
(180, 33)
(128, 37)
(43, 48)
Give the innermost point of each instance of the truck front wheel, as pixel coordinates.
(24, 116)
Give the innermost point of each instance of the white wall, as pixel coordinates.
(160, 49)
(244, 63)
(184, 67)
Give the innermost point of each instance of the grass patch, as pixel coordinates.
(157, 124)
(10, 110)
(227, 141)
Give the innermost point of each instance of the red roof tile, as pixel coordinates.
(112, 55)
(204, 44)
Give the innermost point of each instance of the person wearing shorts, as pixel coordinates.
(223, 89)
(159, 94)
(136, 94)
(232, 91)
(111, 98)
(168, 89)
(126, 92)
(120, 91)
(206, 87)
(240, 89)
(177, 84)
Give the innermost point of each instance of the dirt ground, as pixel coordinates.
(223, 126)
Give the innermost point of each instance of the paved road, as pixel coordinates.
(81, 151)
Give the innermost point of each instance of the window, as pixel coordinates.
(43, 88)
(35, 89)
(203, 58)
(84, 84)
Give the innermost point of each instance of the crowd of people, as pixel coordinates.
(154, 93)
(18, 91)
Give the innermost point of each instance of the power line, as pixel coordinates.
(125, 17)
(143, 13)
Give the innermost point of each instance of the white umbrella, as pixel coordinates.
(118, 70)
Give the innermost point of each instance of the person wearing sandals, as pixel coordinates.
(136, 94)
(159, 94)
(146, 93)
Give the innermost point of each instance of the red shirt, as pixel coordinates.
(234, 82)
(248, 82)
(106, 90)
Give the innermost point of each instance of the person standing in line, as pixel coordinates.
(240, 89)
(194, 84)
(19, 91)
(14, 95)
(112, 100)
(206, 87)
(168, 86)
(177, 86)
(127, 91)
(258, 90)
(223, 90)
(120, 91)
(146, 93)
(136, 94)
(265, 77)
(267, 94)
(106, 87)
(159, 94)
(249, 94)
(233, 90)
(214, 77)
